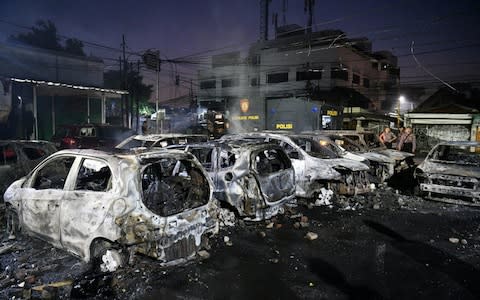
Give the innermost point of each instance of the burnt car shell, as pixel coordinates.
(158, 203)
(256, 179)
(451, 173)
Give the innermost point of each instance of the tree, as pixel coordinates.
(114, 80)
(45, 35)
(74, 46)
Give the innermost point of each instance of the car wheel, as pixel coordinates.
(13, 224)
(106, 257)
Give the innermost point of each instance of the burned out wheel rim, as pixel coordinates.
(13, 224)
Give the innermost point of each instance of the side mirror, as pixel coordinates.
(294, 155)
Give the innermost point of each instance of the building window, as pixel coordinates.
(366, 82)
(254, 81)
(229, 82)
(277, 77)
(356, 79)
(339, 73)
(208, 84)
(309, 75)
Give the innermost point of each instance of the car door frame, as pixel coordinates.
(89, 215)
(35, 214)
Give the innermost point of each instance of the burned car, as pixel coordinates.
(382, 167)
(160, 140)
(256, 179)
(317, 169)
(451, 173)
(369, 142)
(20, 157)
(96, 204)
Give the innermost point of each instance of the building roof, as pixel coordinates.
(446, 100)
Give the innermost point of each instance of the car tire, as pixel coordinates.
(13, 223)
(99, 249)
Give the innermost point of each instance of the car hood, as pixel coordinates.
(377, 157)
(317, 168)
(394, 154)
(434, 167)
(349, 164)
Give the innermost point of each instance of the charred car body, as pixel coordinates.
(369, 142)
(20, 157)
(382, 167)
(160, 140)
(316, 167)
(256, 179)
(451, 173)
(158, 203)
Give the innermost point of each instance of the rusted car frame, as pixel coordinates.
(256, 179)
(158, 203)
(451, 173)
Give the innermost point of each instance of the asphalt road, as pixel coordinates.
(388, 253)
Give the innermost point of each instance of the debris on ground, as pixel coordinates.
(454, 240)
(227, 241)
(226, 217)
(311, 236)
(203, 254)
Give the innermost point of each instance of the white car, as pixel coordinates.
(158, 203)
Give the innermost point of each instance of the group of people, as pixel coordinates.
(406, 139)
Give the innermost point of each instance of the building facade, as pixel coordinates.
(298, 82)
(43, 89)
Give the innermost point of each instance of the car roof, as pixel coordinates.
(158, 136)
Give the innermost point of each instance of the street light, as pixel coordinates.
(401, 99)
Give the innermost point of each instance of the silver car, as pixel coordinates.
(158, 203)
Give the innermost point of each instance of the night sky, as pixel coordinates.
(446, 32)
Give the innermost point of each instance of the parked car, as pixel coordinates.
(96, 204)
(451, 173)
(20, 157)
(382, 167)
(160, 140)
(315, 167)
(90, 136)
(256, 179)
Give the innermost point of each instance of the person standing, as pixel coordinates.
(387, 137)
(408, 143)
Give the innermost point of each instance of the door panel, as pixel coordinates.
(274, 173)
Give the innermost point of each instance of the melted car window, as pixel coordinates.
(93, 175)
(53, 174)
(33, 153)
(271, 161)
(227, 159)
(171, 186)
(8, 155)
(204, 156)
(314, 148)
(457, 154)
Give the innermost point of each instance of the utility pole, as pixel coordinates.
(125, 84)
(284, 12)
(122, 109)
(309, 4)
(264, 6)
(137, 102)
